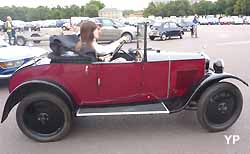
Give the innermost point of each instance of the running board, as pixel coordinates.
(157, 108)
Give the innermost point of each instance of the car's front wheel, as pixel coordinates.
(44, 117)
(20, 40)
(219, 106)
(152, 38)
(164, 37)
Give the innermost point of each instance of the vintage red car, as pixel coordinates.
(50, 91)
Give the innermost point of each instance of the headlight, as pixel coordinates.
(11, 64)
(207, 61)
(218, 66)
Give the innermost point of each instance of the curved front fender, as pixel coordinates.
(209, 80)
(27, 87)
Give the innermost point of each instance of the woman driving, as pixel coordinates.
(89, 33)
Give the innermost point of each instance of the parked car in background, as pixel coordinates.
(165, 30)
(66, 26)
(203, 21)
(226, 20)
(77, 20)
(12, 57)
(41, 34)
(61, 22)
(237, 20)
(128, 31)
(109, 31)
(212, 20)
(186, 25)
(247, 19)
(112, 30)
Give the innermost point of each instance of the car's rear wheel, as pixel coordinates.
(164, 37)
(44, 117)
(36, 41)
(20, 40)
(219, 106)
(152, 38)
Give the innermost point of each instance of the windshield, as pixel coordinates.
(157, 24)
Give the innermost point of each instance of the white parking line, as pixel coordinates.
(233, 43)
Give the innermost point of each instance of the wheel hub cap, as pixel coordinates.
(43, 118)
(222, 108)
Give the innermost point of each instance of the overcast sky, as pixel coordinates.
(119, 4)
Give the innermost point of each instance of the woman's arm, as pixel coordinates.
(105, 49)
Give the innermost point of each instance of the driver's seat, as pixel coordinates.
(62, 45)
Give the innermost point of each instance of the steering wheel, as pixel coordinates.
(118, 48)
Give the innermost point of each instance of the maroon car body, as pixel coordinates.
(51, 90)
(119, 82)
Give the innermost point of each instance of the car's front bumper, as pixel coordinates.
(154, 33)
(7, 73)
(5, 76)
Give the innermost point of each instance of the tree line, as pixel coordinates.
(43, 13)
(172, 8)
(203, 7)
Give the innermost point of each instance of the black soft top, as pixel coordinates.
(63, 50)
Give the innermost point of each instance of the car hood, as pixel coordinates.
(154, 56)
(11, 53)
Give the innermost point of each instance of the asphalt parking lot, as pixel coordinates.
(178, 133)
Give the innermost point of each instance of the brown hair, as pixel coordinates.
(87, 29)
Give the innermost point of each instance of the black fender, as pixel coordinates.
(207, 81)
(32, 86)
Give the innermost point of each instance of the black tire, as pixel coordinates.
(164, 37)
(152, 38)
(20, 40)
(36, 41)
(180, 35)
(219, 106)
(44, 117)
(129, 36)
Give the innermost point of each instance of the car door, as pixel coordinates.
(108, 31)
(85, 82)
(80, 80)
(119, 82)
(156, 80)
(165, 28)
(174, 29)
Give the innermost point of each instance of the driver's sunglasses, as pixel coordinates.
(99, 27)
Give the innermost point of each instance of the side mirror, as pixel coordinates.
(115, 26)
